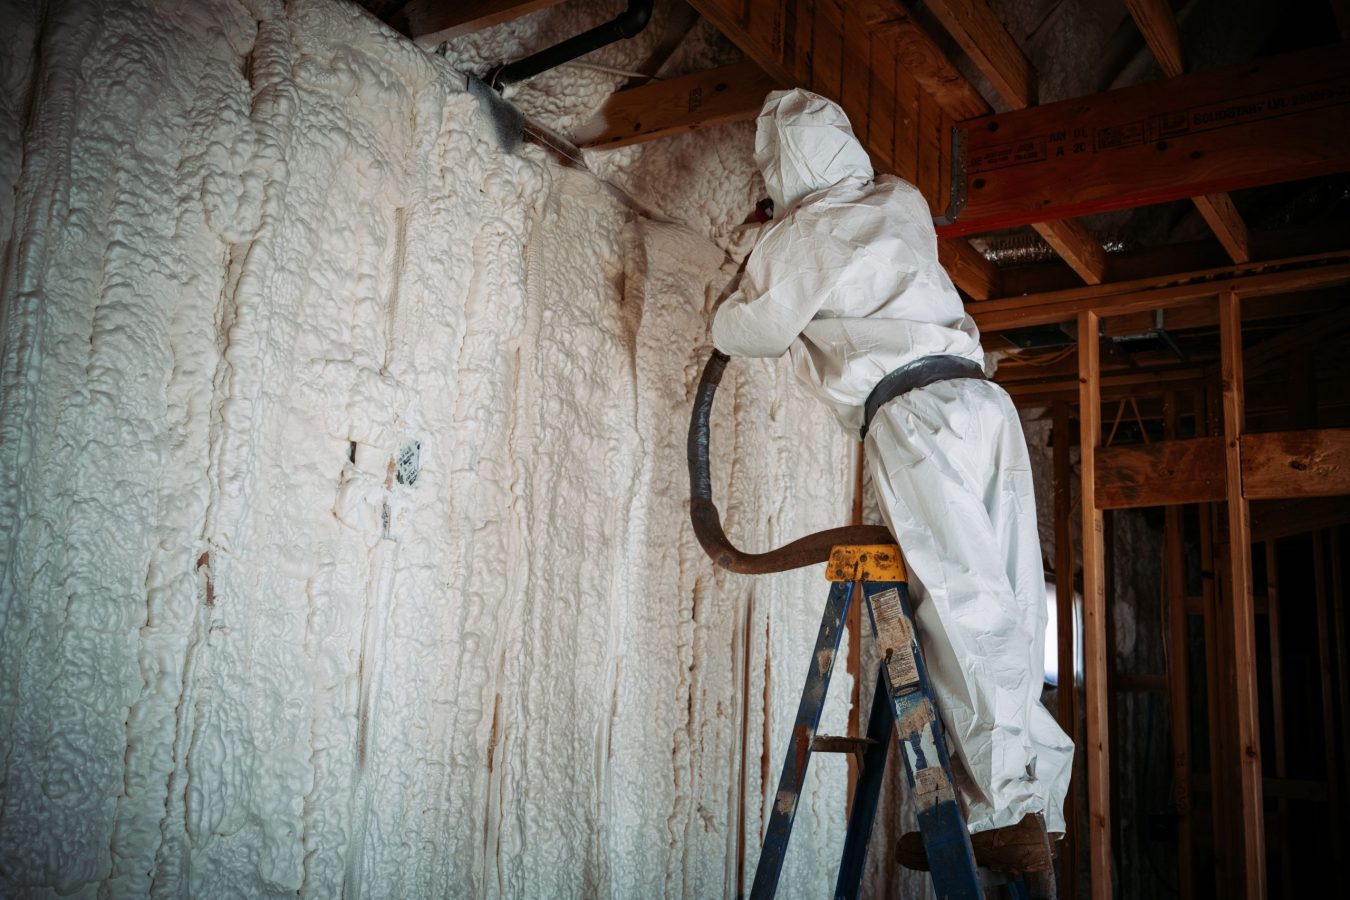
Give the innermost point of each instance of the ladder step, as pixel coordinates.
(826, 743)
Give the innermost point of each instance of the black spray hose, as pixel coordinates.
(627, 24)
(707, 522)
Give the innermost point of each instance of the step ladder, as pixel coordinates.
(903, 699)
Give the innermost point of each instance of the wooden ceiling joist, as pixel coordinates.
(1226, 222)
(440, 20)
(731, 93)
(1268, 249)
(980, 33)
(1341, 9)
(1119, 298)
(1328, 304)
(1158, 24)
(1076, 246)
(1272, 120)
(914, 48)
(969, 269)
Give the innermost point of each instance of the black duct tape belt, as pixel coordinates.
(920, 373)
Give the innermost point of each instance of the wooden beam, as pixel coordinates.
(731, 93)
(1272, 120)
(1164, 473)
(1279, 465)
(1341, 9)
(1158, 25)
(1226, 222)
(1305, 304)
(1096, 652)
(1240, 606)
(922, 58)
(1066, 695)
(1178, 644)
(1296, 464)
(984, 39)
(1326, 238)
(433, 21)
(968, 268)
(1031, 396)
(1076, 246)
(1147, 294)
(1214, 703)
(1277, 708)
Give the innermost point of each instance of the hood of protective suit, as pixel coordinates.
(804, 144)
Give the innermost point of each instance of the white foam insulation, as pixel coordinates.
(345, 546)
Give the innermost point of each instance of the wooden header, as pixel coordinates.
(1271, 120)
(731, 93)
(1275, 466)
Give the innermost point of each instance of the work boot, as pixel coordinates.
(1014, 849)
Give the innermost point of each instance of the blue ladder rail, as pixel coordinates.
(903, 704)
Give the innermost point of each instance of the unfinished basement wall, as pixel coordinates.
(345, 544)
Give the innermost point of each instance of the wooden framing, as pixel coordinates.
(1158, 24)
(1242, 626)
(1147, 294)
(1273, 466)
(984, 39)
(1166, 473)
(1066, 701)
(1341, 9)
(432, 21)
(968, 269)
(1226, 222)
(1095, 648)
(1276, 119)
(1231, 468)
(1214, 705)
(979, 32)
(1277, 708)
(1292, 464)
(1178, 688)
(1076, 246)
(731, 93)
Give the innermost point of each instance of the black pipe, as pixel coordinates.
(627, 24)
(707, 522)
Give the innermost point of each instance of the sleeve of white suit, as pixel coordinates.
(764, 321)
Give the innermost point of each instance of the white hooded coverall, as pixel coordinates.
(847, 280)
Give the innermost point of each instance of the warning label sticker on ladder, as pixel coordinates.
(895, 639)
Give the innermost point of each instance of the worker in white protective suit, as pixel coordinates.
(846, 279)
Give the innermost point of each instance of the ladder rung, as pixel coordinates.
(825, 743)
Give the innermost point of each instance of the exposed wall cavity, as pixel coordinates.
(344, 545)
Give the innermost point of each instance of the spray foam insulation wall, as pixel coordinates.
(341, 472)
